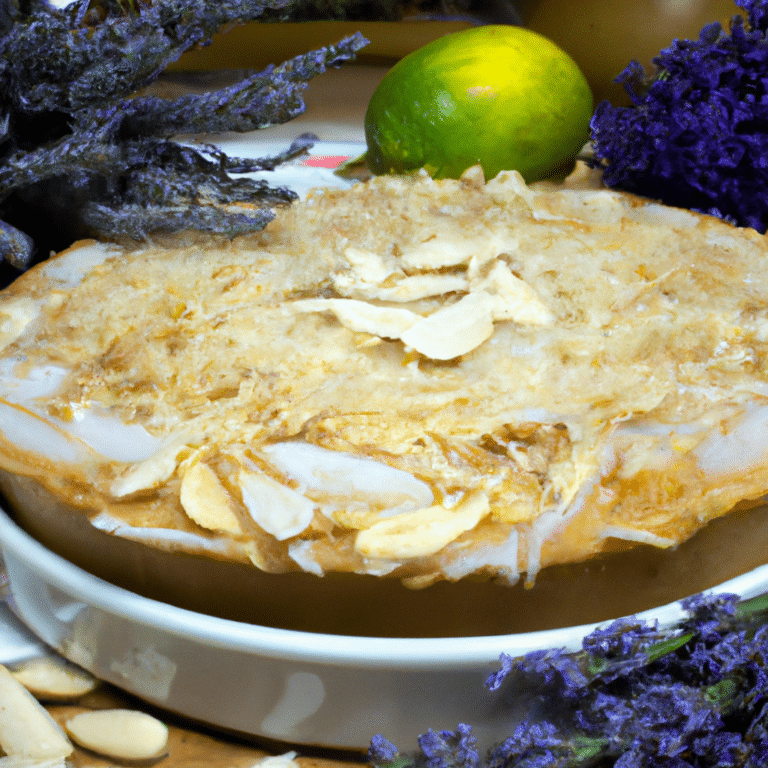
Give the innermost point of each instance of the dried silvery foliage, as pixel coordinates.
(79, 147)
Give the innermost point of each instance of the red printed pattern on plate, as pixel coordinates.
(325, 161)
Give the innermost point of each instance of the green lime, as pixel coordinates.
(501, 96)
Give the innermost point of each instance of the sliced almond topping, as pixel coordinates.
(152, 471)
(15, 316)
(422, 533)
(207, 501)
(454, 329)
(26, 729)
(120, 734)
(438, 252)
(276, 508)
(513, 298)
(362, 317)
(367, 271)
(53, 678)
(347, 480)
(369, 266)
(509, 187)
(420, 287)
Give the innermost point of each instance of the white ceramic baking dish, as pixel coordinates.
(299, 687)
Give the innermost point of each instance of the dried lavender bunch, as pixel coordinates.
(77, 144)
(695, 135)
(635, 696)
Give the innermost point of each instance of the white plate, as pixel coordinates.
(298, 687)
(314, 170)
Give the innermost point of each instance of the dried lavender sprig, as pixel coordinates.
(299, 146)
(164, 196)
(90, 48)
(75, 148)
(694, 695)
(103, 144)
(270, 97)
(695, 134)
(534, 745)
(139, 221)
(70, 154)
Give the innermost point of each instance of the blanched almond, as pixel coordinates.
(15, 316)
(362, 317)
(152, 471)
(440, 252)
(422, 533)
(421, 286)
(207, 501)
(276, 508)
(368, 266)
(453, 330)
(513, 298)
(53, 678)
(121, 734)
(33, 762)
(26, 729)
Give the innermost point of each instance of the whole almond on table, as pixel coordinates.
(26, 729)
(51, 678)
(122, 734)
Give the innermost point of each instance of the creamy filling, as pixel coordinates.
(345, 479)
(162, 537)
(54, 437)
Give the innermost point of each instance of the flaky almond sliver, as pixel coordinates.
(33, 762)
(362, 317)
(424, 532)
(454, 329)
(153, 471)
(15, 316)
(207, 501)
(276, 508)
(513, 298)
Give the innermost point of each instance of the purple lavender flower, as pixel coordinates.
(542, 745)
(659, 720)
(756, 740)
(710, 613)
(696, 135)
(552, 667)
(635, 696)
(382, 751)
(450, 749)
